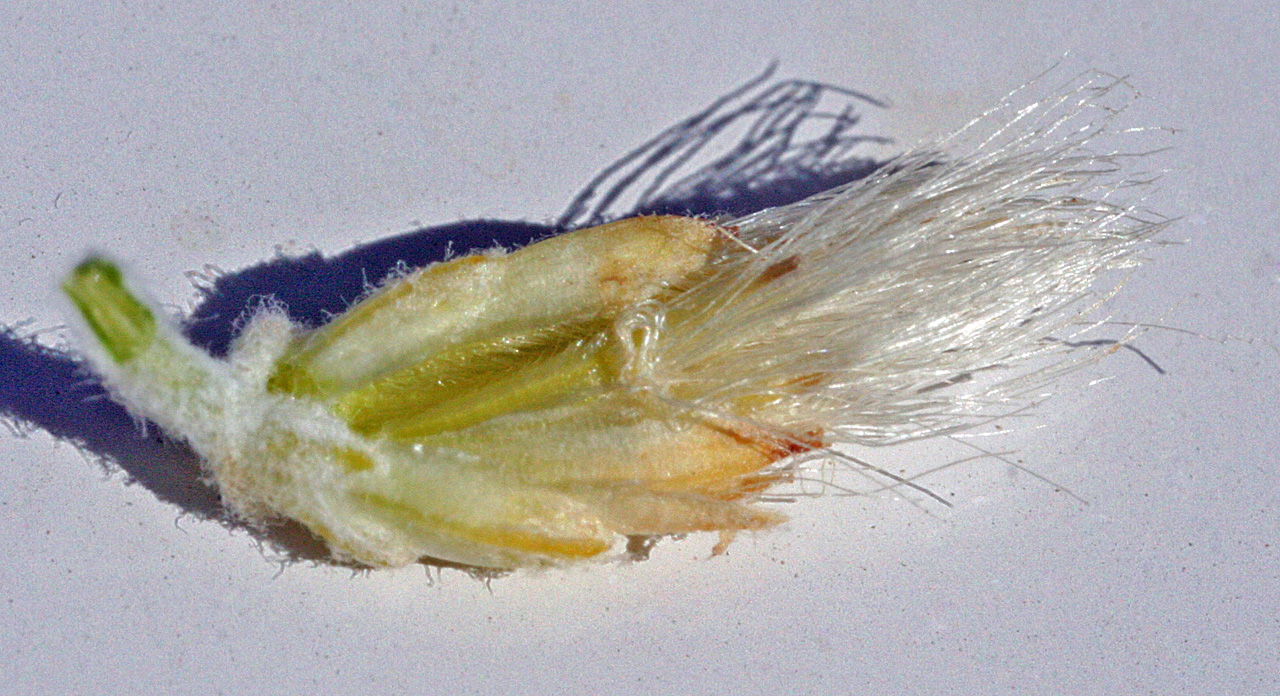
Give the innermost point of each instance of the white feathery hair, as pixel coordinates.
(942, 291)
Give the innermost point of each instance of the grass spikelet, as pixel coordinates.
(656, 375)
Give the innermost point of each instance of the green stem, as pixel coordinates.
(123, 325)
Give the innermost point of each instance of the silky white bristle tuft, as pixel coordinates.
(869, 312)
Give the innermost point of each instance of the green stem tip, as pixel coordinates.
(123, 325)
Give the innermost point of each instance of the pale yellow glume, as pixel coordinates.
(475, 411)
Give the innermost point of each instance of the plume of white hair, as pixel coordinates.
(942, 291)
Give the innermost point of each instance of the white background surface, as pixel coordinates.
(175, 136)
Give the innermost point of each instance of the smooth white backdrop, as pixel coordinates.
(176, 135)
